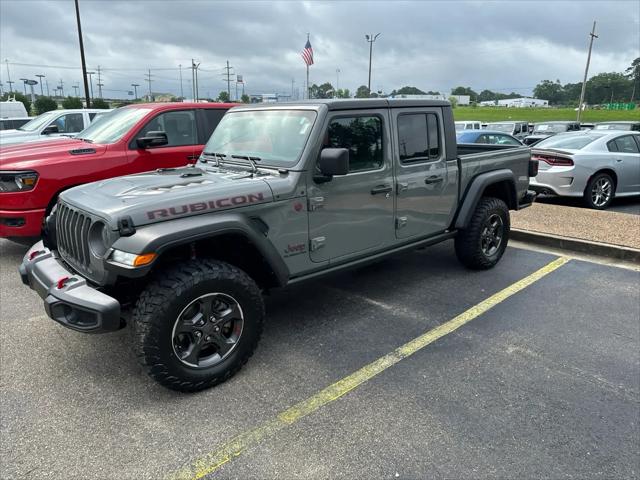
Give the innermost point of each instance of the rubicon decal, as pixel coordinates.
(227, 202)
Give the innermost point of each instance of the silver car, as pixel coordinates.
(595, 165)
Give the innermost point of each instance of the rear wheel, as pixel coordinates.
(197, 324)
(600, 191)
(481, 245)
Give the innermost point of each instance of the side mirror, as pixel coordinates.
(49, 129)
(153, 139)
(333, 161)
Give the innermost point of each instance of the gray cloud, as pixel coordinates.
(430, 44)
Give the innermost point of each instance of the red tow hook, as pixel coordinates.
(35, 253)
(62, 282)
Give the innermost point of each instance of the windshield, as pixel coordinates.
(613, 126)
(276, 137)
(113, 125)
(39, 122)
(569, 141)
(550, 128)
(501, 127)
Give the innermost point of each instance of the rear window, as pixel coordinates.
(572, 142)
(418, 137)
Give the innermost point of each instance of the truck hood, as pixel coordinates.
(168, 194)
(35, 154)
(16, 136)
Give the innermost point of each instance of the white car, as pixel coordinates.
(52, 124)
(468, 125)
(595, 165)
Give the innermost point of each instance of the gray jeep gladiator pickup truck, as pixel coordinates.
(282, 193)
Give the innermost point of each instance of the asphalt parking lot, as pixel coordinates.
(544, 384)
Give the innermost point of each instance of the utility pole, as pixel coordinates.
(62, 87)
(337, 79)
(228, 75)
(148, 79)
(41, 90)
(100, 84)
(90, 74)
(47, 82)
(24, 84)
(84, 65)
(181, 92)
(370, 39)
(6, 61)
(586, 70)
(75, 89)
(135, 89)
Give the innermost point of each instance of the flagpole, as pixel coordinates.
(308, 87)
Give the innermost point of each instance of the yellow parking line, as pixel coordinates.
(214, 460)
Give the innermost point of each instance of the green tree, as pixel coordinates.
(45, 104)
(343, 93)
(71, 102)
(223, 96)
(407, 91)
(548, 90)
(99, 103)
(363, 92)
(633, 73)
(465, 91)
(454, 102)
(325, 90)
(486, 95)
(608, 87)
(245, 98)
(19, 98)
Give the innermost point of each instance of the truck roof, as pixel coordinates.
(354, 103)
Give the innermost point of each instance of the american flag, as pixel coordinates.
(307, 53)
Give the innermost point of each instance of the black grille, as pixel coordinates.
(72, 232)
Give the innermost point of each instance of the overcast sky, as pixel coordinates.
(503, 46)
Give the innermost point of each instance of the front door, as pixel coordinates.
(426, 182)
(352, 214)
(183, 147)
(627, 161)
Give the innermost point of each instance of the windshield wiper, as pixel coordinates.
(83, 139)
(216, 155)
(252, 160)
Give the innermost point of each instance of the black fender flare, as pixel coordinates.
(162, 236)
(475, 190)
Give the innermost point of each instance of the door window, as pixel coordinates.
(418, 137)
(625, 144)
(69, 123)
(362, 136)
(180, 127)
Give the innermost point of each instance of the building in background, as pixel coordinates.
(523, 102)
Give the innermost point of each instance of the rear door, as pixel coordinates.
(426, 189)
(353, 214)
(626, 156)
(183, 147)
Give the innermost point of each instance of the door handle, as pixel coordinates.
(618, 159)
(381, 189)
(433, 179)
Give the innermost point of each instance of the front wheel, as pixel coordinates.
(600, 191)
(197, 324)
(481, 245)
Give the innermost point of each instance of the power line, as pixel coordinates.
(148, 79)
(228, 75)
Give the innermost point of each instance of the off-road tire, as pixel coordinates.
(468, 242)
(159, 306)
(592, 185)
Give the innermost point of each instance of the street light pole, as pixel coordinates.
(24, 84)
(370, 39)
(337, 79)
(41, 90)
(135, 89)
(90, 74)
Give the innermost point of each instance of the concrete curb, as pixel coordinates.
(576, 245)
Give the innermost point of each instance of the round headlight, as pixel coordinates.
(99, 239)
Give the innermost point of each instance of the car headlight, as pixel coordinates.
(17, 181)
(132, 259)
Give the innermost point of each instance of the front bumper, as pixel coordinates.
(21, 223)
(71, 302)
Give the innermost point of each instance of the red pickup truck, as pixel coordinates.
(132, 139)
